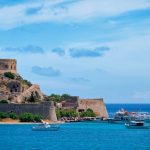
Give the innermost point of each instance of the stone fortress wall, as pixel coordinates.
(8, 65)
(97, 105)
(46, 109)
(18, 93)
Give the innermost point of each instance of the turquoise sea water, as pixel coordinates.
(79, 136)
(74, 136)
(112, 108)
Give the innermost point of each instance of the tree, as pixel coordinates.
(34, 97)
(58, 113)
(58, 98)
(88, 113)
(66, 113)
(64, 96)
(54, 97)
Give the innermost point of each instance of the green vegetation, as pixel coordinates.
(34, 97)
(3, 115)
(64, 96)
(26, 82)
(38, 117)
(9, 75)
(3, 101)
(66, 113)
(29, 117)
(88, 113)
(72, 113)
(58, 98)
(54, 97)
(25, 117)
(12, 115)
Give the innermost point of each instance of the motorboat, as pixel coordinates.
(46, 127)
(123, 116)
(136, 125)
(145, 116)
(120, 117)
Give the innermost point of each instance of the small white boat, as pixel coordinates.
(46, 127)
(136, 125)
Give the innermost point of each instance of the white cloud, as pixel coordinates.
(65, 11)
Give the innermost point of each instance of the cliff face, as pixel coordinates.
(18, 90)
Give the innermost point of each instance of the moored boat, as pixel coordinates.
(136, 125)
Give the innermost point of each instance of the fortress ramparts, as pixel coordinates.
(46, 109)
(97, 105)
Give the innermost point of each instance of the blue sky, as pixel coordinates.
(90, 48)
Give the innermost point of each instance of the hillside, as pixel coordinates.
(15, 89)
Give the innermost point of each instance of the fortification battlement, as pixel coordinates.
(8, 65)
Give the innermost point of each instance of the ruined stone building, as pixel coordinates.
(20, 93)
(16, 89)
(8, 65)
(97, 105)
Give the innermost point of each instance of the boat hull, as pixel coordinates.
(137, 127)
(147, 120)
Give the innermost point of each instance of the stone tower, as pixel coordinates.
(8, 65)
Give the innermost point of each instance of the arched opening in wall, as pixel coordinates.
(11, 67)
(6, 66)
(14, 87)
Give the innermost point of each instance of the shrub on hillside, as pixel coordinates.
(9, 75)
(58, 98)
(3, 101)
(27, 82)
(54, 97)
(64, 97)
(34, 97)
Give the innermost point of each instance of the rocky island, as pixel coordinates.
(19, 96)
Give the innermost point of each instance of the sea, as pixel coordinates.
(78, 136)
(112, 108)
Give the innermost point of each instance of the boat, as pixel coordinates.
(136, 125)
(145, 116)
(46, 127)
(120, 117)
(123, 116)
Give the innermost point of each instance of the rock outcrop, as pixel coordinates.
(18, 90)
